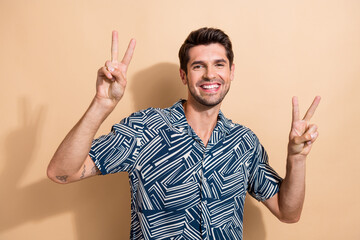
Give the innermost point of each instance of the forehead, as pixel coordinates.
(207, 52)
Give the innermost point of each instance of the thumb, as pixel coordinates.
(115, 72)
(302, 139)
(118, 76)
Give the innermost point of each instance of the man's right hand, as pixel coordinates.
(111, 78)
(71, 162)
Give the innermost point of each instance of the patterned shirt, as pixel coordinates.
(181, 189)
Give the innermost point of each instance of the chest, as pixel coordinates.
(174, 170)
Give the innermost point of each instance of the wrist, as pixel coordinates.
(99, 110)
(296, 161)
(103, 105)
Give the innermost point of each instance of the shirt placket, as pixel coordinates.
(203, 202)
(204, 216)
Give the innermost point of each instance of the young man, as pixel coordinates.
(189, 166)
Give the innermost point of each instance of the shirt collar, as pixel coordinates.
(178, 119)
(225, 125)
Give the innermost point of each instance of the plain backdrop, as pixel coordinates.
(49, 55)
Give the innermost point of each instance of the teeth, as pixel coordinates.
(210, 86)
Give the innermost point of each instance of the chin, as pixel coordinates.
(209, 102)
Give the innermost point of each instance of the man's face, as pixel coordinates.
(208, 74)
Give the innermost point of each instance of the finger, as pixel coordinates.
(310, 112)
(300, 139)
(116, 74)
(129, 52)
(310, 133)
(295, 109)
(110, 66)
(314, 137)
(104, 71)
(307, 136)
(114, 47)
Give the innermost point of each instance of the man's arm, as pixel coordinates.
(288, 202)
(71, 162)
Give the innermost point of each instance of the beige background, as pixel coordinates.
(50, 52)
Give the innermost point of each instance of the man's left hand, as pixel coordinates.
(302, 134)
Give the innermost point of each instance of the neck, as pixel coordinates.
(202, 119)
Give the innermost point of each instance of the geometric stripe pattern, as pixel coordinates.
(181, 189)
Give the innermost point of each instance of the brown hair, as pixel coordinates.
(204, 36)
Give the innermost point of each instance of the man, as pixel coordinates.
(189, 166)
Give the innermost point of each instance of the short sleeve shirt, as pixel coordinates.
(181, 189)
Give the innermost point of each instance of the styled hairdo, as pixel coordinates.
(204, 36)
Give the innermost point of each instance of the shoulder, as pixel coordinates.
(234, 129)
(245, 130)
(243, 134)
(146, 118)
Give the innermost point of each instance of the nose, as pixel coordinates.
(210, 73)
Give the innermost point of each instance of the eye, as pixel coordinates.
(196, 67)
(219, 65)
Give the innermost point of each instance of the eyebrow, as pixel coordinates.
(202, 62)
(220, 60)
(197, 62)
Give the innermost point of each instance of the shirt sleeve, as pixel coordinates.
(118, 151)
(264, 182)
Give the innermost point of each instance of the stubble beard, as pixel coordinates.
(208, 102)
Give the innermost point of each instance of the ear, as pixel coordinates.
(232, 71)
(183, 76)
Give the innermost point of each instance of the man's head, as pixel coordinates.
(204, 36)
(207, 68)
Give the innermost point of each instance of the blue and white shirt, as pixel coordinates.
(181, 189)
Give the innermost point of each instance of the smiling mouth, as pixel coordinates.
(214, 86)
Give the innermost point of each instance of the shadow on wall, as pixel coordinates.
(100, 206)
(93, 203)
(158, 86)
(254, 228)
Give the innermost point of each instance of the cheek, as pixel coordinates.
(192, 78)
(225, 74)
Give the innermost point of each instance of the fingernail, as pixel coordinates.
(313, 135)
(111, 68)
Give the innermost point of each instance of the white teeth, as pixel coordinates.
(210, 86)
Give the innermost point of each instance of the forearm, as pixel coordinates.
(292, 190)
(75, 147)
(288, 203)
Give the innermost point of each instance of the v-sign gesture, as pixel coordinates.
(71, 162)
(111, 79)
(302, 133)
(288, 203)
